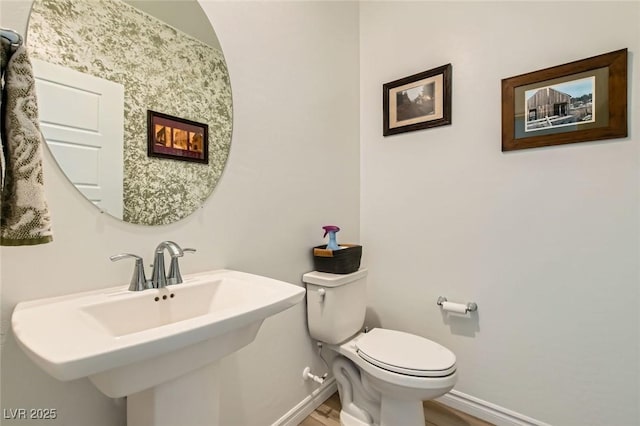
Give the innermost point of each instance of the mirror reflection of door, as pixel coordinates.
(86, 136)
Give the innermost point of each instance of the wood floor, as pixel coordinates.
(436, 414)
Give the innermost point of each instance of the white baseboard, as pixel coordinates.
(468, 404)
(486, 411)
(297, 414)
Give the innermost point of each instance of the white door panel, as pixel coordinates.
(82, 114)
(82, 119)
(80, 163)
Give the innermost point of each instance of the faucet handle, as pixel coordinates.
(138, 279)
(174, 276)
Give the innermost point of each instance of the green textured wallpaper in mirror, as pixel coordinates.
(160, 68)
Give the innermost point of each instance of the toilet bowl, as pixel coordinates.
(383, 375)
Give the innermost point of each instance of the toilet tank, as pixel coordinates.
(339, 313)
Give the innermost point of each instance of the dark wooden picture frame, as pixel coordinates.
(417, 102)
(177, 138)
(580, 101)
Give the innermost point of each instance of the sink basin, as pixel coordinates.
(127, 342)
(123, 312)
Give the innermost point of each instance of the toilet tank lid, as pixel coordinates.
(326, 279)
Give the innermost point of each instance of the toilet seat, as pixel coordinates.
(405, 353)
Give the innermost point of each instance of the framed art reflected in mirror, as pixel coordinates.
(177, 138)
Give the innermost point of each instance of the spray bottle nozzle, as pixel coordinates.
(329, 228)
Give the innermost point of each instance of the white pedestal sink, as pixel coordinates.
(153, 345)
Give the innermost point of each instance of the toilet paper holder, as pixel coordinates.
(470, 307)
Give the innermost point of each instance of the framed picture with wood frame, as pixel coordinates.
(580, 101)
(177, 138)
(416, 102)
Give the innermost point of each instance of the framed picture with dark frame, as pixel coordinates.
(417, 102)
(177, 138)
(580, 101)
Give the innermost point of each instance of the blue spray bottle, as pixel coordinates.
(331, 230)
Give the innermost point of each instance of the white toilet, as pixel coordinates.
(383, 375)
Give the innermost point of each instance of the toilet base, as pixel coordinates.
(362, 405)
(396, 412)
(371, 396)
(393, 413)
(347, 419)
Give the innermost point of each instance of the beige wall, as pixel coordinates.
(545, 241)
(295, 115)
(185, 15)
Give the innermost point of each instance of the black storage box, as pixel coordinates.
(343, 261)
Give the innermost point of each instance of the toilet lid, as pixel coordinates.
(405, 353)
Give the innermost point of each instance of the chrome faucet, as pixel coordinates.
(159, 278)
(174, 276)
(138, 279)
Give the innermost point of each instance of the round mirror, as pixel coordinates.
(136, 111)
